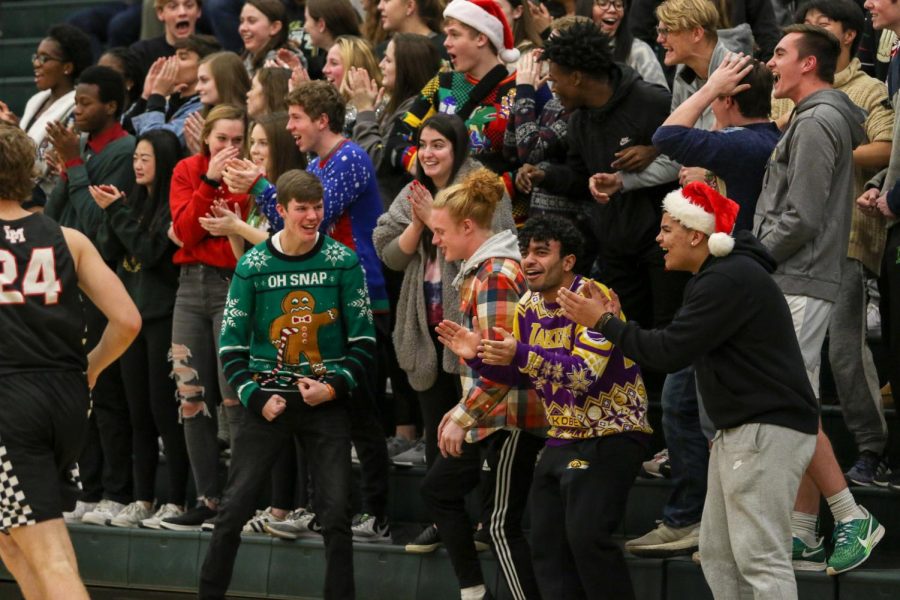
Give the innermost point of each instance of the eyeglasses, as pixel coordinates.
(664, 31)
(43, 59)
(604, 4)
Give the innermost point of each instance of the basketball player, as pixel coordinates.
(45, 374)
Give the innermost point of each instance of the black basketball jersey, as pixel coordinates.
(41, 317)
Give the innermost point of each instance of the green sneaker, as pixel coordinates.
(808, 558)
(853, 542)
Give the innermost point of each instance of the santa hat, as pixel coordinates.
(486, 16)
(697, 206)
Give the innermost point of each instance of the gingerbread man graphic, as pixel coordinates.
(296, 332)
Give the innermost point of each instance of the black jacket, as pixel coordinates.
(630, 221)
(736, 329)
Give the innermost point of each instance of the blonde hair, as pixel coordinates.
(476, 198)
(685, 15)
(357, 52)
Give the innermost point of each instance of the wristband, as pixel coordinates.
(210, 182)
(331, 391)
(602, 321)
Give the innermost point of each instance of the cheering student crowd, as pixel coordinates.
(477, 236)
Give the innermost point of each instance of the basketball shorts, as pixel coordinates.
(43, 425)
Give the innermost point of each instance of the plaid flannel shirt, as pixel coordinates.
(492, 294)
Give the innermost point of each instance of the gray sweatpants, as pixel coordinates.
(745, 532)
(851, 361)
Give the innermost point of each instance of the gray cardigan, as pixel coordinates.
(412, 339)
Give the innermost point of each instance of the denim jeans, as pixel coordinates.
(196, 323)
(688, 449)
(324, 434)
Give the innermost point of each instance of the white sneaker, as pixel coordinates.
(131, 515)
(103, 513)
(367, 529)
(298, 524)
(257, 523)
(164, 512)
(81, 509)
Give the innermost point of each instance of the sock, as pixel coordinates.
(476, 592)
(803, 526)
(844, 507)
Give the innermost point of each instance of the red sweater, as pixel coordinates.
(191, 198)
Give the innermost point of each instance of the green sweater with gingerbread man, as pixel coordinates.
(288, 317)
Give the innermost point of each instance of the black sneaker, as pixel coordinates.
(868, 469)
(192, 520)
(208, 525)
(427, 541)
(892, 481)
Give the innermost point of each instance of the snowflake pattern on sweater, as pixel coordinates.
(352, 207)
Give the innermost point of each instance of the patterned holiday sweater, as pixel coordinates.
(447, 93)
(352, 207)
(296, 316)
(587, 386)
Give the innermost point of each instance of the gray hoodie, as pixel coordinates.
(803, 213)
(504, 244)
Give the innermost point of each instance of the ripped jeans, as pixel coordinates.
(196, 323)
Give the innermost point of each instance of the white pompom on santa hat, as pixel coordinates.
(487, 17)
(701, 208)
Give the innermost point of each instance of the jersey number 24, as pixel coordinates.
(39, 279)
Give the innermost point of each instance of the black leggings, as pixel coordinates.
(150, 391)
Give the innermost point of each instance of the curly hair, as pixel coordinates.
(318, 98)
(547, 228)
(581, 47)
(110, 85)
(75, 46)
(17, 169)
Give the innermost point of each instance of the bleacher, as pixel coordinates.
(148, 564)
(141, 564)
(23, 24)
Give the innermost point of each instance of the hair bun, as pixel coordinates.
(483, 185)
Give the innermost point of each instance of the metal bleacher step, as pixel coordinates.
(16, 53)
(15, 92)
(146, 564)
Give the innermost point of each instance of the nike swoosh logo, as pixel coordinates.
(808, 554)
(866, 542)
